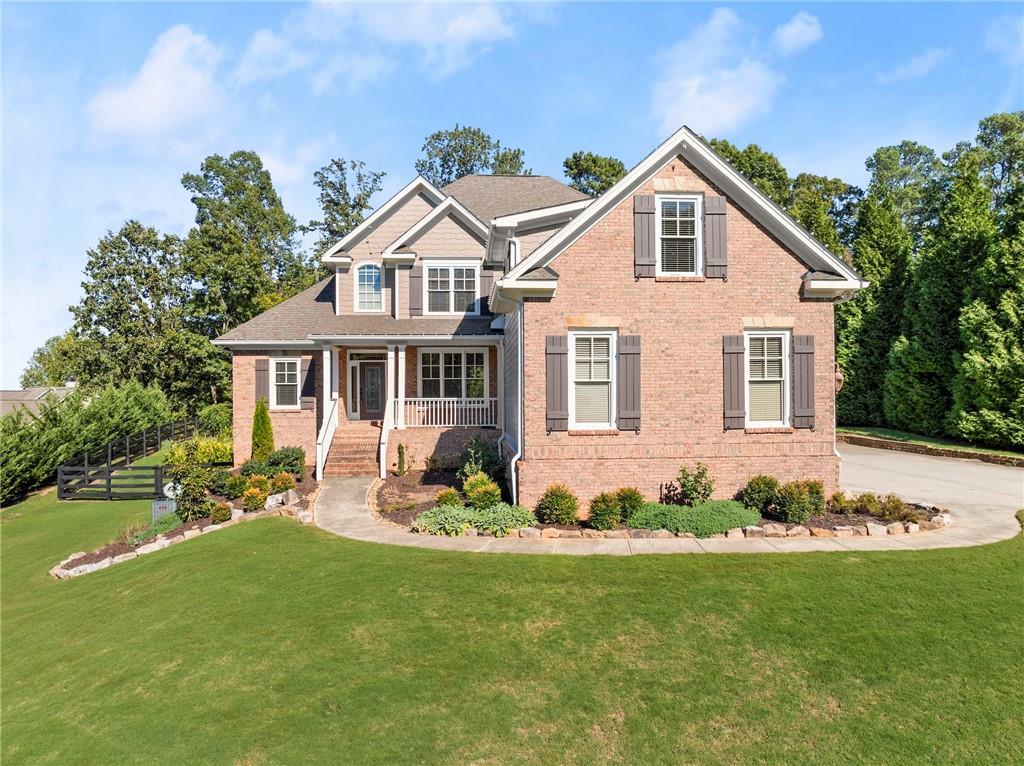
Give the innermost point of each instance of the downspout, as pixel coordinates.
(513, 479)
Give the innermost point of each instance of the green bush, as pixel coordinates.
(209, 449)
(400, 469)
(290, 459)
(481, 491)
(262, 432)
(234, 487)
(605, 512)
(892, 508)
(502, 518)
(131, 530)
(221, 513)
(797, 501)
(866, 503)
(282, 482)
(816, 496)
(449, 520)
(702, 520)
(449, 496)
(761, 493)
(218, 481)
(695, 486)
(251, 467)
(558, 505)
(480, 455)
(161, 526)
(253, 499)
(630, 501)
(260, 482)
(191, 480)
(215, 420)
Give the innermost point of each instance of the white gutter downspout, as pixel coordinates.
(513, 479)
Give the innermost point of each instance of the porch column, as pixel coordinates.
(326, 366)
(390, 374)
(501, 386)
(335, 369)
(400, 399)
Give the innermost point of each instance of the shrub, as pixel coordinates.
(481, 491)
(761, 493)
(251, 467)
(221, 513)
(217, 481)
(191, 481)
(838, 503)
(209, 449)
(253, 499)
(290, 459)
(449, 520)
(604, 511)
(260, 482)
(695, 486)
(234, 487)
(282, 482)
(480, 455)
(558, 505)
(892, 508)
(164, 524)
(702, 520)
(866, 503)
(215, 420)
(502, 518)
(792, 503)
(131, 530)
(400, 469)
(449, 496)
(630, 501)
(262, 432)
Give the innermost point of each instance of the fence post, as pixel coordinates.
(110, 474)
(110, 458)
(60, 482)
(128, 450)
(144, 432)
(158, 480)
(159, 441)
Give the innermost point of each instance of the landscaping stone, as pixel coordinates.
(291, 497)
(734, 533)
(662, 534)
(929, 524)
(550, 532)
(821, 532)
(288, 510)
(753, 531)
(798, 531)
(688, 535)
(617, 534)
(571, 533)
(877, 530)
(861, 530)
(896, 528)
(176, 539)
(471, 532)
(774, 530)
(305, 517)
(274, 500)
(641, 534)
(529, 532)
(142, 550)
(942, 518)
(236, 513)
(512, 533)
(593, 534)
(124, 557)
(843, 531)
(912, 527)
(211, 528)
(188, 534)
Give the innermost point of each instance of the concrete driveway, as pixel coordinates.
(982, 496)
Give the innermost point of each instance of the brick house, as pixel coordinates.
(679, 317)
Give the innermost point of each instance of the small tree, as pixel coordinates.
(262, 432)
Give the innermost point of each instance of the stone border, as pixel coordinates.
(879, 442)
(162, 541)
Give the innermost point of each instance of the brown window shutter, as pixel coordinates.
(734, 401)
(556, 360)
(802, 364)
(307, 377)
(628, 374)
(416, 290)
(715, 259)
(263, 380)
(643, 235)
(486, 281)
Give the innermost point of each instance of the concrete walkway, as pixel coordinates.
(982, 497)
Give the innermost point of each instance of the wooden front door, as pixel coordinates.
(372, 391)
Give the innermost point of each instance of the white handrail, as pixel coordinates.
(386, 426)
(325, 437)
(450, 412)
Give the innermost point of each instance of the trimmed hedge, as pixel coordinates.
(558, 505)
(605, 512)
(702, 520)
(209, 449)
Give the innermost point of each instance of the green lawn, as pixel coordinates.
(275, 643)
(928, 441)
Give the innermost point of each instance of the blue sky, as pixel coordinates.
(104, 106)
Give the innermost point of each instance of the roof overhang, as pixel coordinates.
(503, 228)
(377, 340)
(228, 343)
(832, 288)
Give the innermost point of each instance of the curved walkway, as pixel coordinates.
(982, 497)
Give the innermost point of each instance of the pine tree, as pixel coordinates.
(262, 432)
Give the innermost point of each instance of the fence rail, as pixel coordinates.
(451, 412)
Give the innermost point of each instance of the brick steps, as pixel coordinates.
(354, 450)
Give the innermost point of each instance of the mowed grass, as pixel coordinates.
(927, 441)
(280, 644)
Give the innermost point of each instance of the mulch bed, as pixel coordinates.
(400, 499)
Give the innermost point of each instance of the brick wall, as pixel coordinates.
(436, 443)
(681, 325)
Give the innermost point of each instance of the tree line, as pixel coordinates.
(934, 346)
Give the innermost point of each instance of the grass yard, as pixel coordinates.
(273, 643)
(927, 441)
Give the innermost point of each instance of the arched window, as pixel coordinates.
(369, 296)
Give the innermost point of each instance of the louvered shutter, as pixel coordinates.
(628, 381)
(715, 258)
(307, 379)
(556, 359)
(486, 281)
(643, 235)
(416, 290)
(802, 363)
(263, 379)
(732, 382)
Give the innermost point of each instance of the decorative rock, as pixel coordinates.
(142, 550)
(687, 535)
(529, 532)
(929, 524)
(896, 528)
(550, 532)
(798, 531)
(124, 557)
(734, 533)
(641, 534)
(661, 534)
(774, 530)
(877, 530)
(274, 501)
(512, 533)
(472, 532)
(176, 539)
(305, 517)
(291, 497)
(843, 531)
(941, 518)
(593, 534)
(188, 534)
(211, 528)
(821, 532)
(574, 533)
(753, 531)
(288, 510)
(617, 534)
(912, 527)
(861, 530)
(237, 513)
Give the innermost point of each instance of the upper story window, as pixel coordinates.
(767, 379)
(369, 292)
(451, 289)
(284, 388)
(592, 393)
(679, 234)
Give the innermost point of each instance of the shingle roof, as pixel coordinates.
(488, 197)
(30, 399)
(311, 312)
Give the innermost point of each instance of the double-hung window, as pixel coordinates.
(453, 374)
(679, 235)
(592, 393)
(767, 379)
(284, 388)
(369, 292)
(451, 289)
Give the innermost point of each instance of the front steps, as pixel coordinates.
(354, 450)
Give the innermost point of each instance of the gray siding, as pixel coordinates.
(416, 289)
(510, 375)
(734, 401)
(803, 381)
(715, 257)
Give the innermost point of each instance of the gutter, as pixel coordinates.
(513, 478)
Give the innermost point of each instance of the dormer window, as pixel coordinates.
(679, 235)
(369, 292)
(451, 288)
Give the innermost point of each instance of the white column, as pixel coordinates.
(390, 375)
(400, 415)
(335, 370)
(500, 385)
(326, 390)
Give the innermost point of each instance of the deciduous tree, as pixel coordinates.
(451, 154)
(592, 174)
(346, 188)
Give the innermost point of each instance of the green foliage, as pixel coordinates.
(215, 420)
(892, 508)
(282, 482)
(501, 518)
(218, 479)
(166, 523)
(592, 174)
(254, 499)
(191, 480)
(401, 468)
(837, 503)
(448, 496)
(262, 432)
(451, 154)
(481, 491)
(558, 505)
(251, 467)
(694, 486)
(130, 531)
(826, 208)
(259, 481)
(701, 520)
(221, 512)
(761, 494)
(346, 188)
(54, 363)
(909, 176)
(867, 503)
(208, 449)
(290, 459)
(448, 520)
(481, 455)
(630, 501)
(233, 487)
(761, 168)
(797, 501)
(605, 512)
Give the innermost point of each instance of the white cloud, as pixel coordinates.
(175, 87)
(715, 81)
(918, 66)
(268, 55)
(1005, 38)
(796, 34)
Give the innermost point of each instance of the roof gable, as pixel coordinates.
(450, 208)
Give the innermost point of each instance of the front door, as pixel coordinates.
(371, 391)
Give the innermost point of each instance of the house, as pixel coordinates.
(679, 317)
(31, 399)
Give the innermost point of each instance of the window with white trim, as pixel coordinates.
(679, 234)
(592, 393)
(284, 383)
(767, 379)
(369, 288)
(451, 289)
(453, 374)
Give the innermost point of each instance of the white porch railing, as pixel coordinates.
(386, 426)
(451, 412)
(325, 437)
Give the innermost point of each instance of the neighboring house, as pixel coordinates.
(31, 399)
(680, 317)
